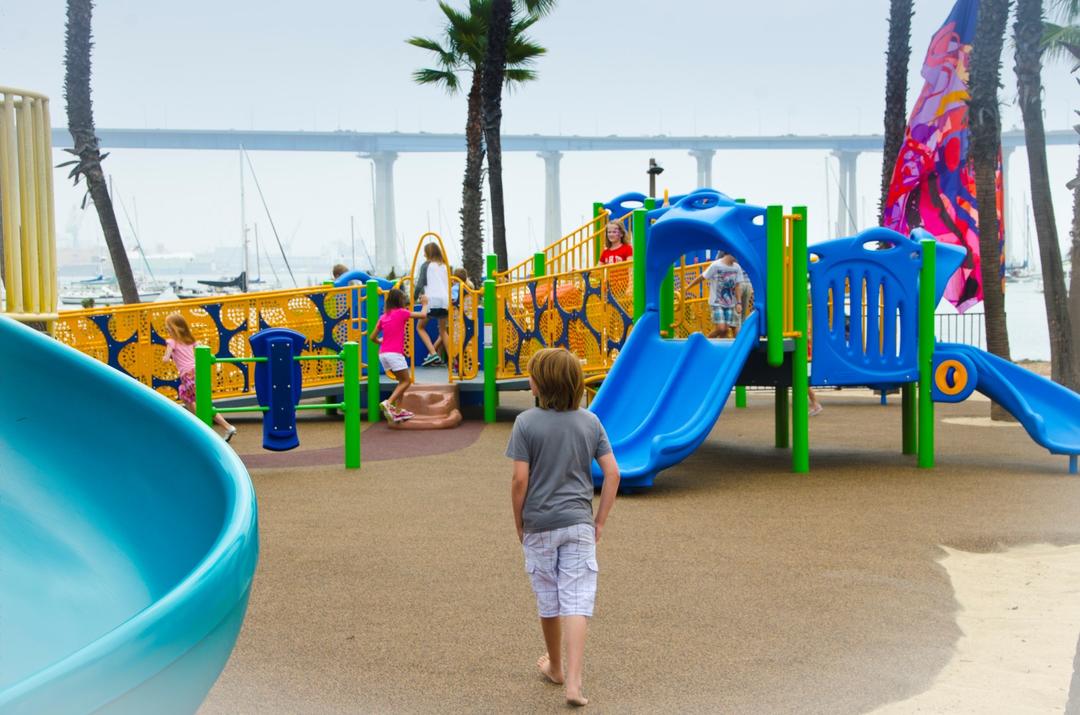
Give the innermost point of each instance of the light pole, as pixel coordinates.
(654, 171)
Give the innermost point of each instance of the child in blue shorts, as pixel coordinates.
(553, 447)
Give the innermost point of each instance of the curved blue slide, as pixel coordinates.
(662, 397)
(128, 539)
(1049, 412)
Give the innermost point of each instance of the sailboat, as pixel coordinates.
(1021, 269)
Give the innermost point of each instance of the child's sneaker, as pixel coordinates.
(431, 359)
(402, 415)
(230, 434)
(388, 411)
(816, 410)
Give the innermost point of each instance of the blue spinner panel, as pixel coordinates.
(278, 384)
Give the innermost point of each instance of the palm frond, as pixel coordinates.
(1066, 11)
(447, 58)
(447, 79)
(518, 76)
(1061, 42)
(522, 51)
(540, 8)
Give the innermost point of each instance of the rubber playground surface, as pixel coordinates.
(731, 586)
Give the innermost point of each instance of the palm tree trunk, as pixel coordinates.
(896, 72)
(1028, 28)
(1074, 260)
(472, 198)
(985, 125)
(80, 113)
(491, 92)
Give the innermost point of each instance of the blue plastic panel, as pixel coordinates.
(278, 384)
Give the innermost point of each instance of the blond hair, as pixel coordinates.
(179, 327)
(559, 379)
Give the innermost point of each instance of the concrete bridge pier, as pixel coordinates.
(704, 167)
(552, 198)
(847, 206)
(386, 253)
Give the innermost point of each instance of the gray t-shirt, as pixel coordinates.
(560, 448)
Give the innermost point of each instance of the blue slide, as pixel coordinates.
(1049, 412)
(128, 539)
(662, 397)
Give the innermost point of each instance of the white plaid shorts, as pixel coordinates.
(561, 564)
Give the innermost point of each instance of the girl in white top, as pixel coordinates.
(434, 282)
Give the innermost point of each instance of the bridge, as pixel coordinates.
(383, 149)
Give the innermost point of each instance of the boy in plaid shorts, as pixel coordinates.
(553, 447)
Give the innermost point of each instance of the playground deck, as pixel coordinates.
(732, 586)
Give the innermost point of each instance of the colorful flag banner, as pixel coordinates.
(933, 184)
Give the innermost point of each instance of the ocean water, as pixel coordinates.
(1025, 313)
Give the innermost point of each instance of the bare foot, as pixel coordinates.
(544, 664)
(577, 699)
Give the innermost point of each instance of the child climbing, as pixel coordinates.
(390, 337)
(725, 295)
(553, 446)
(433, 281)
(180, 348)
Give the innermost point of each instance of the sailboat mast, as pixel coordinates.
(258, 260)
(243, 219)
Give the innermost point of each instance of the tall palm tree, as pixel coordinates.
(1028, 35)
(896, 72)
(462, 49)
(80, 113)
(1061, 41)
(985, 153)
(500, 30)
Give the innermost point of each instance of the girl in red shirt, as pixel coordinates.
(618, 249)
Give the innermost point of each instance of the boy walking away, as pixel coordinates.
(725, 295)
(553, 446)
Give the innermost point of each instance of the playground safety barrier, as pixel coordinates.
(131, 338)
(27, 231)
(279, 383)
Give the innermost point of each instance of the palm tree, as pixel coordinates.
(1029, 32)
(462, 50)
(985, 153)
(896, 72)
(80, 113)
(1061, 41)
(503, 26)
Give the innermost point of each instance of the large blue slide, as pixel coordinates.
(128, 539)
(662, 396)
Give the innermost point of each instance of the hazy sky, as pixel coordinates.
(614, 67)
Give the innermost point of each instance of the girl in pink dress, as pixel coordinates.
(180, 348)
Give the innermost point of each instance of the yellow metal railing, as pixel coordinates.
(28, 230)
(573, 252)
(132, 338)
(463, 352)
(587, 311)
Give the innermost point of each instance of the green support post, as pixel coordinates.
(910, 436)
(800, 377)
(667, 304)
(491, 351)
(640, 216)
(539, 264)
(927, 278)
(782, 418)
(598, 243)
(204, 391)
(491, 266)
(774, 284)
(740, 396)
(350, 355)
(374, 369)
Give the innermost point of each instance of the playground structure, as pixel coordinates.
(26, 206)
(885, 286)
